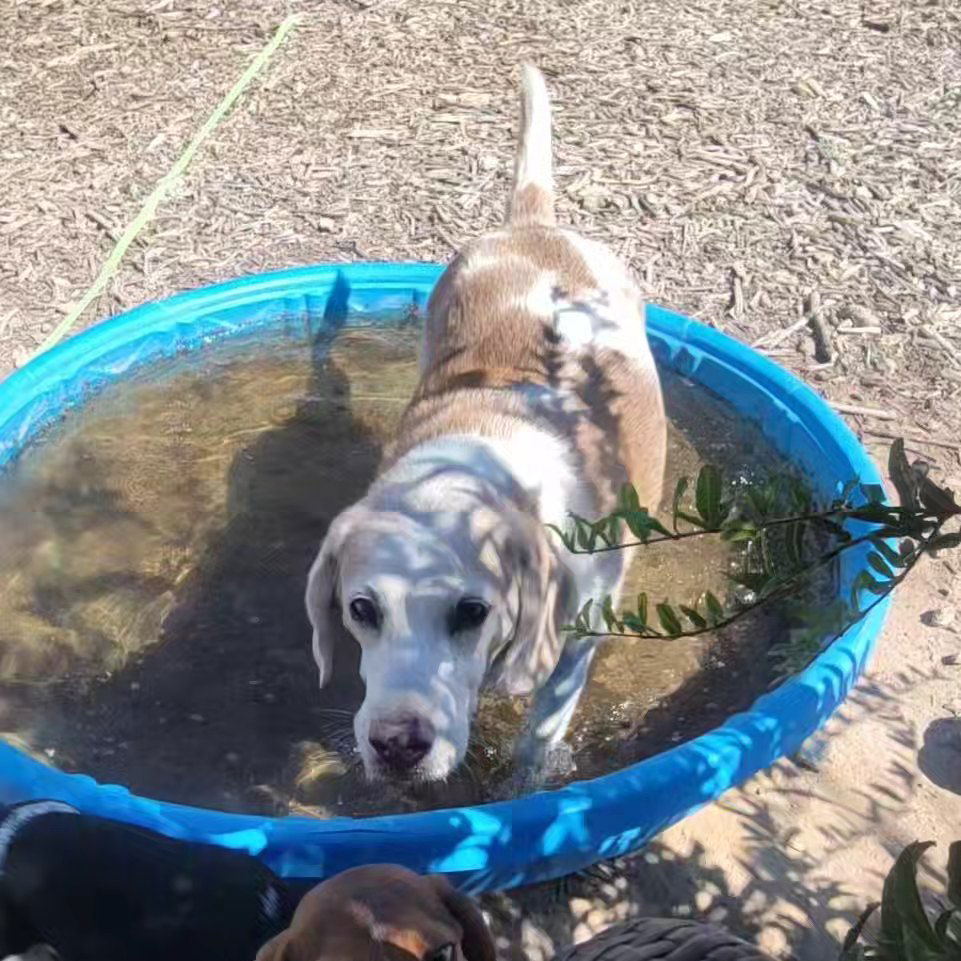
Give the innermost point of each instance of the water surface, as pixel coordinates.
(153, 554)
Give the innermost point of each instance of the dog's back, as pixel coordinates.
(534, 322)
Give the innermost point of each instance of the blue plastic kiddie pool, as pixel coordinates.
(490, 846)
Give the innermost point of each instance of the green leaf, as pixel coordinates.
(599, 532)
(613, 533)
(633, 624)
(628, 499)
(696, 619)
(851, 938)
(566, 539)
(756, 582)
(738, 531)
(865, 582)
(800, 493)
(690, 519)
(888, 552)
(714, 607)
(610, 616)
(795, 543)
(904, 922)
(659, 527)
(859, 584)
(762, 500)
(583, 622)
(954, 928)
(954, 874)
(880, 565)
(669, 620)
(583, 535)
(876, 587)
(642, 525)
(849, 488)
(707, 496)
(942, 923)
(904, 479)
(875, 514)
(642, 608)
(679, 491)
(945, 542)
(916, 947)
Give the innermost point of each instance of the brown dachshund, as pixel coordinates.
(383, 913)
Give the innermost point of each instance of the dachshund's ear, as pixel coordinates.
(276, 949)
(476, 942)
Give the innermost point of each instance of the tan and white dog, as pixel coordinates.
(538, 397)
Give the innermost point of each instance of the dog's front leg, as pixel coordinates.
(542, 754)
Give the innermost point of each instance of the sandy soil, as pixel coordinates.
(787, 172)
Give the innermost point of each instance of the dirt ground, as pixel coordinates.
(788, 172)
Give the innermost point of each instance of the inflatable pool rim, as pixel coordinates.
(502, 844)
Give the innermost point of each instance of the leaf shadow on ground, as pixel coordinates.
(777, 891)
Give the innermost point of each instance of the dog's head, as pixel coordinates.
(441, 602)
(383, 913)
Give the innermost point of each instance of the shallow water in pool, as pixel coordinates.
(153, 553)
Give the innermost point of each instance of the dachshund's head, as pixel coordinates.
(383, 913)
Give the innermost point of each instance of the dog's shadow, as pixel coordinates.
(214, 713)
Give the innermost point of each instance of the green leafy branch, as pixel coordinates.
(785, 540)
(907, 932)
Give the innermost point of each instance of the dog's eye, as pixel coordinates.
(446, 953)
(469, 614)
(364, 611)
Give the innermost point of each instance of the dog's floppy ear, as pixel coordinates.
(544, 598)
(276, 949)
(323, 604)
(476, 941)
(323, 608)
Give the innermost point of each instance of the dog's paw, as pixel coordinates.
(558, 762)
(546, 767)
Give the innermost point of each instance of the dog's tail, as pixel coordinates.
(532, 199)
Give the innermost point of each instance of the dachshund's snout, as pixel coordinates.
(402, 742)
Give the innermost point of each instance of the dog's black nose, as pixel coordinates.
(401, 743)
